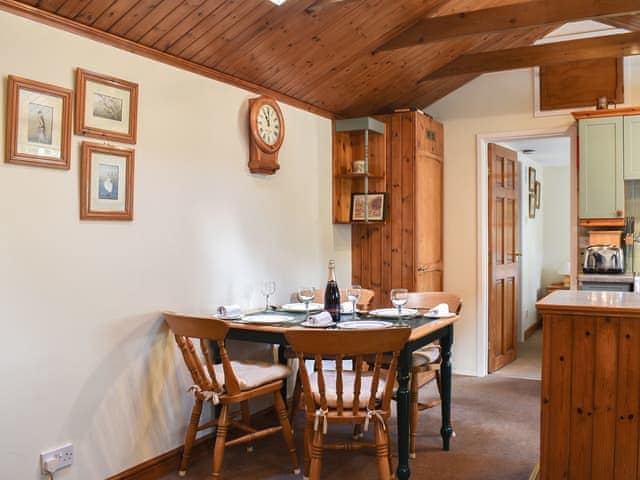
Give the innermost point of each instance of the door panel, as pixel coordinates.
(503, 256)
(428, 224)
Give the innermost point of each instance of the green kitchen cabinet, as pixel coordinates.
(601, 167)
(632, 147)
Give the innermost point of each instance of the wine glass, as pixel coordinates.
(268, 288)
(306, 294)
(353, 294)
(399, 297)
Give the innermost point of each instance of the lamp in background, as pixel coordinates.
(565, 271)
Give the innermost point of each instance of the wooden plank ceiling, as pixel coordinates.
(319, 52)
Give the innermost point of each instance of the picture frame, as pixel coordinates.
(532, 205)
(38, 128)
(106, 107)
(376, 202)
(538, 193)
(532, 179)
(106, 182)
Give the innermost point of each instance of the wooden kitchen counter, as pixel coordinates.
(590, 385)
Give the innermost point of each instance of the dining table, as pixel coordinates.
(424, 330)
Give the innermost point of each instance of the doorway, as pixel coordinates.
(534, 247)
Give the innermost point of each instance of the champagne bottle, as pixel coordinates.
(332, 293)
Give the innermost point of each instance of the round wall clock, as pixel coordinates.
(266, 133)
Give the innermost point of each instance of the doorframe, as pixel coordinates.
(482, 227)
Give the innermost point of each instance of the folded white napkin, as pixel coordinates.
(322, 318)
(229, 310)
(439, 310)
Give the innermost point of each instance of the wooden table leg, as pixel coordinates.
(445, 377)
(283, 361)
(402, 397)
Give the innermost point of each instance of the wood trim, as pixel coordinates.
(34, 13)
(166, 463)
(14, 85)
(86, 213)
(601, 222)
(169, 462)
(605, 112)
(506, 18)
(547, 54)
(81, 127)
(531, 329)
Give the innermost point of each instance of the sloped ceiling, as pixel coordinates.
(323, 58)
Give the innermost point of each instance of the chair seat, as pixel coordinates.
(253, 374)
(425, 356)
(348, 381)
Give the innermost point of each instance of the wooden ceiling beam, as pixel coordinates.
(523, 57)
(509, 17)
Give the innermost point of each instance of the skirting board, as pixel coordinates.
(166, 463)
(169, 462)
(532, 329)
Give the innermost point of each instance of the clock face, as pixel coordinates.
(268, 123)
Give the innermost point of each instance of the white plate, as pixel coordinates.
(228, 317)
(444, 315)
(268, 318)
(364, 324)
(393, 312)
(315, 325)
(300, 308)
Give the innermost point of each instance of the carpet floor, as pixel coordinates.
(496, 420)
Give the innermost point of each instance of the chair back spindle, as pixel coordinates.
(200, 364)
(337, 345)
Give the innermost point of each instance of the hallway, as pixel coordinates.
(528, 365)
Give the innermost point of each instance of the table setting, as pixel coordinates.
(309, 314)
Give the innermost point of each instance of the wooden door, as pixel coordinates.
(503, 256)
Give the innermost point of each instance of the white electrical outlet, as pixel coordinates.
(63, 454)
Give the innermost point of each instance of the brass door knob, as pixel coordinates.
(516, 254)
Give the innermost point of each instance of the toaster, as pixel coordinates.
(603, 259)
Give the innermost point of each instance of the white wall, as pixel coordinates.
(491, 104)
(531, 238)
(86, 357)
(556, 232)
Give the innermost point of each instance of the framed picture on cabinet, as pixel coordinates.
(538, 191)
(106, 182)
(374, 203)
(532, 179)
(106, 107)
(38, 123)
(532, 205)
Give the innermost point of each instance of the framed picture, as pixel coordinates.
(375, 203)
(532, 179)
(38, 124)
(106, 182)
(532, 205)
(106, 107)
(538, 193)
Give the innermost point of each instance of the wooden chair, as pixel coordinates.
(425, 363)
(366, 297)
(364, 303)
(334, 397)
(226, 383)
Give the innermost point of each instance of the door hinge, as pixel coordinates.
(489, 172)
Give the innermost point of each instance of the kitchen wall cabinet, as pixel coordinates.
(631, 147)
(405, 251)
(601, 167)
